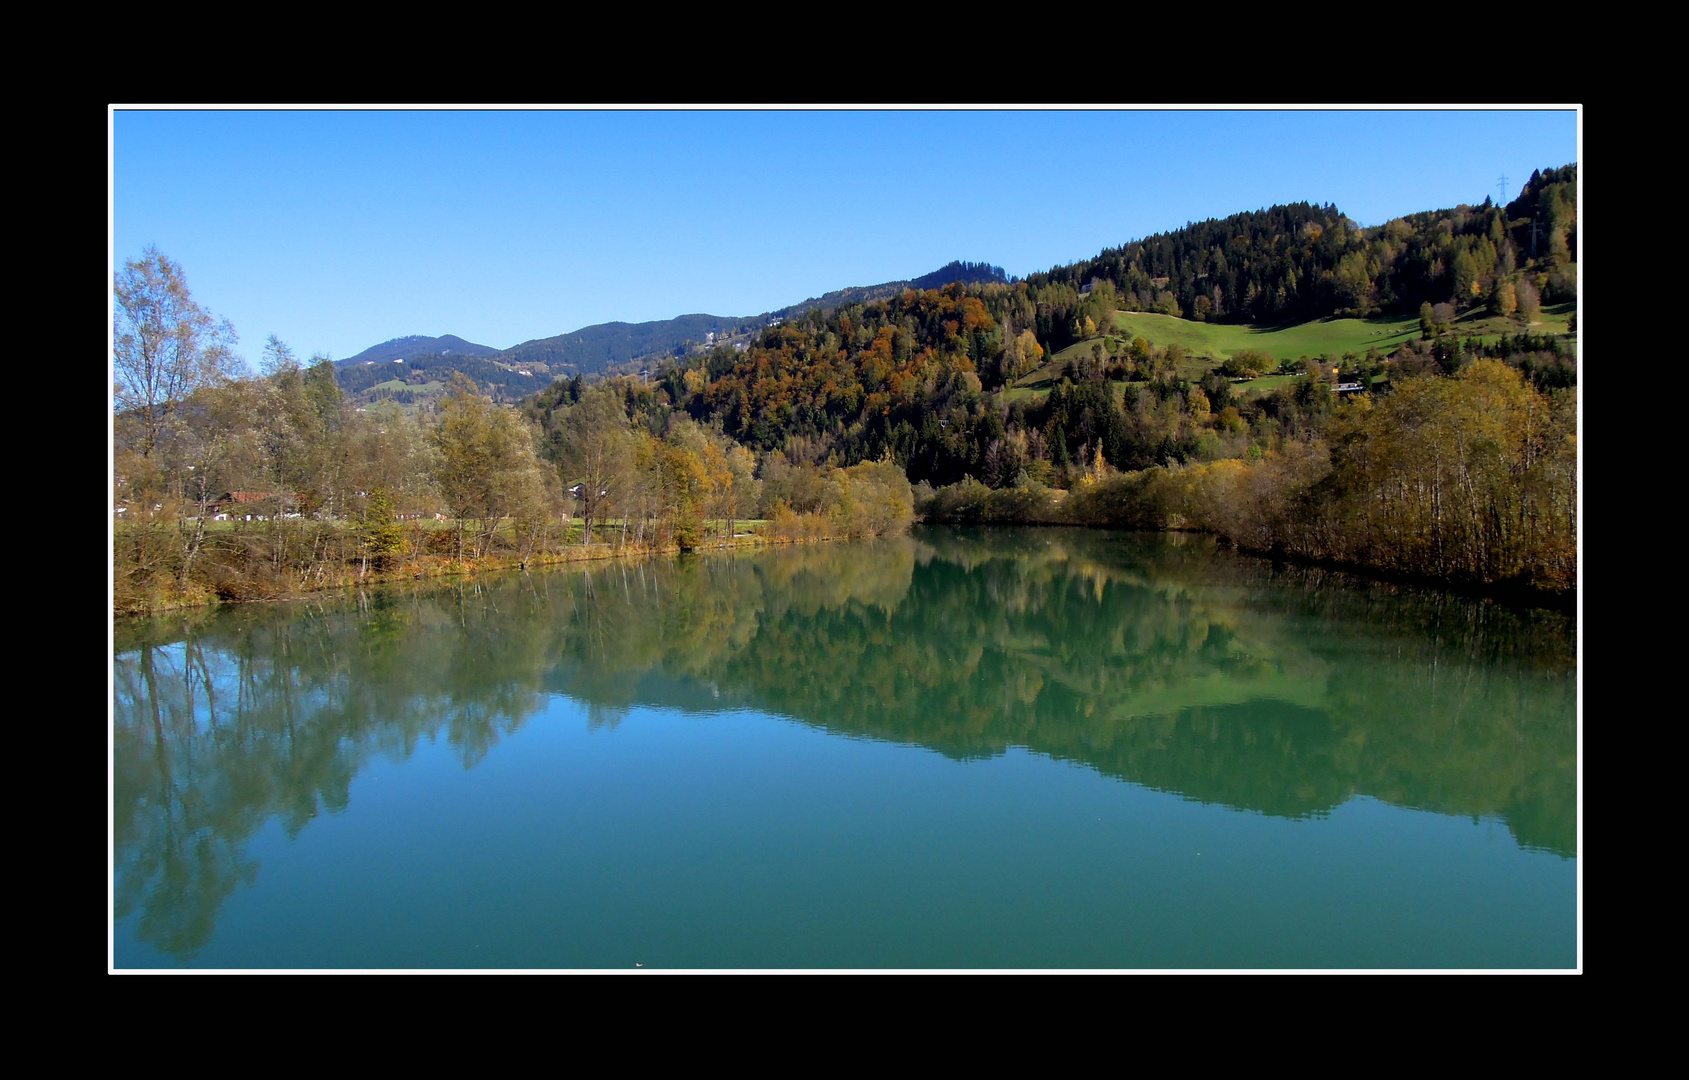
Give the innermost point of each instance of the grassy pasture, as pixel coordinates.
(1222, 340)
(1321, 336)
(400, 384)
(1266, 384)
(1209, 343)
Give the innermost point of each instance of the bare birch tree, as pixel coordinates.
(164, 347)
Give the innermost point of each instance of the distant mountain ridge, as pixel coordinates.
(603, 345)
(511, 373)
(417, 345)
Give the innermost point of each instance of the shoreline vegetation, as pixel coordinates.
(960, 505)
(1468, 484)
(171, 560)
(1465, 482)
(225, 583)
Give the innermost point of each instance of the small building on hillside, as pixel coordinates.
(253, 506)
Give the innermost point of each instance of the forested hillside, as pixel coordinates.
(402, 348)
(1452, 455)
(594, 348)
(1298, 262)
(968, 273)
(926, 379)
(418, 378)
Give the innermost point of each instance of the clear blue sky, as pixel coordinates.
(339, 230)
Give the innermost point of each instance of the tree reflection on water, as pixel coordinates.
(1153, 659)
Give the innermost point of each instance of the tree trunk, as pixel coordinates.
(191, 549)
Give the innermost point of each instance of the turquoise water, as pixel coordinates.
(1005, 748)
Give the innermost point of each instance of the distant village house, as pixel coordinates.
(253, 506)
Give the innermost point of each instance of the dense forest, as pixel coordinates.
(1453, 457)
(1299, 262)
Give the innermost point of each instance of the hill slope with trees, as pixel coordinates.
(614, 347)
(1450, 457)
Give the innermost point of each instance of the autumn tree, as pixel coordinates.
(164, 347)
(388, 450)
(1503, 300)
(1530, 302)
(488, 469)
(302, 424)
(1023, 355)
(727, 471)
(592, 448)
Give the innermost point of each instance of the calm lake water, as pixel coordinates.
(967, 748)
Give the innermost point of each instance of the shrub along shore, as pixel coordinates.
(299, 559)
(174, 561)
(1467, 484)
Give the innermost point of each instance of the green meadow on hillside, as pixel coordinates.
(430, 387)
(1221, 340)
(1210, 343)
(1330, 336)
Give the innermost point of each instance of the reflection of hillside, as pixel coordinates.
(1155, 661)
(1164, 665)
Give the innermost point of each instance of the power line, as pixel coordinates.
(1504, 189)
